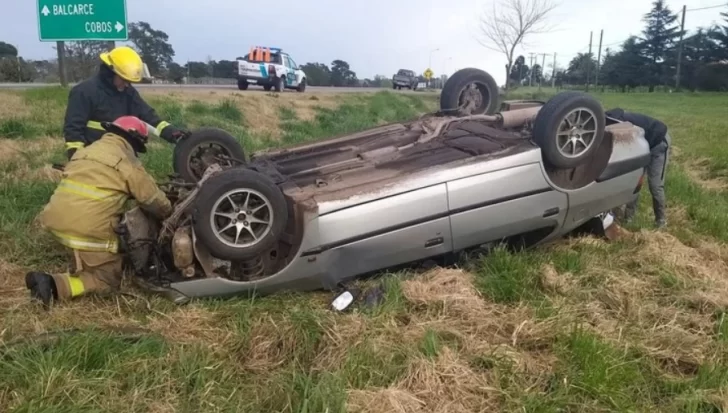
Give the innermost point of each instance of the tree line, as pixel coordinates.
(649, 61)
(81, 61)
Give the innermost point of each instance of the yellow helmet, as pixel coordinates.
(125, 62)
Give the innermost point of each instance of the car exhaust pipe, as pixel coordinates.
(517, 118)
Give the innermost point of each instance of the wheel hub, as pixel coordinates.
(241, 218)
(577, 132)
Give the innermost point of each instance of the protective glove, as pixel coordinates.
(173, 135)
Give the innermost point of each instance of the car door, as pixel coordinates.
(290, 73)
(297, 77)
(386, 232)
(506, 202)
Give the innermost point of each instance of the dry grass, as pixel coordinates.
(13, 106)
(698, 170)
(261, 110)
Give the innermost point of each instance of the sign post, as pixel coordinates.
(428, 75)
(80, 20)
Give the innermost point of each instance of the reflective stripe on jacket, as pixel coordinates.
(88, 203)
(96, 100)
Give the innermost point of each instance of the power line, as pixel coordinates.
(708, 7)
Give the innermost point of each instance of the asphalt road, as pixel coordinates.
(252, 89)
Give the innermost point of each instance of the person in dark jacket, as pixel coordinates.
(659, 141)
(108, 96)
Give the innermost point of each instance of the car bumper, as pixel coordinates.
(256, 80)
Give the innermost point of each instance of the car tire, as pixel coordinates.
(219, 207)
(301, 86)
(278, 84)
(458, 98)
(242, 85)
(569, 110)
(267, 88)
(191, 158)
(414, 87)
(394, 87)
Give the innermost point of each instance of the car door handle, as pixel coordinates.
(433, 242)
(551, 212)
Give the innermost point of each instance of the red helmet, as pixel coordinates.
(131, 128)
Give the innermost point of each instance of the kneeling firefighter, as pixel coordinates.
(86, 208)
(107, 96)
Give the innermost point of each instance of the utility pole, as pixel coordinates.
(599, 59)
(553, 73)
(679, 50)
(530, 70)
(543, 66)
(588, 65)
(61, 49)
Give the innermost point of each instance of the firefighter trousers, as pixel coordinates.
(95, 273)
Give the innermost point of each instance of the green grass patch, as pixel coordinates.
(21, 241)
(15, 128)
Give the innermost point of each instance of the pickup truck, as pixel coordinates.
(271, 68)
(405, 78)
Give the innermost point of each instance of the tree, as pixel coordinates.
(579, 66)
(341, 74)
(317, 74)
(713, 77)
(699, 50)
(659, 39)
(537, 73)
(197, 69)
(8, 50)
(175, 73)
(505, 29)
(82, 58)
(519, 71)
(16, 69)
(152, 45)
(226, 69)
(625, 69)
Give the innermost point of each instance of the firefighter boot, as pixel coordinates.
(42, 287)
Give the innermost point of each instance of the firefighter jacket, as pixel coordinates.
(96, 100)
(88, 203)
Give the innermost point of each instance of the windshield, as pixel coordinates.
(403, 72)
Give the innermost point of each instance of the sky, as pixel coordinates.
(373, 36)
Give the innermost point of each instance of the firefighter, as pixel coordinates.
(659, 141)
(107, 96)
(86, 208)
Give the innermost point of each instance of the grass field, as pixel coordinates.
(581, 325)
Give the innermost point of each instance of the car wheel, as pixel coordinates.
(279, 85)
(267, 88)
(469, 92)
(239, 214)
(302, 86)
(193, 155)
(394, 87)
(242, 85)
(569, 128)
(414, 87)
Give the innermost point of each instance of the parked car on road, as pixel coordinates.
(271, 68)
(317, 215)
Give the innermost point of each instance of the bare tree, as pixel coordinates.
(507, 26)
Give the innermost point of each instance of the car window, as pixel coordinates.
(293, 64)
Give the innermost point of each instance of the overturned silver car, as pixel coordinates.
(316, 215)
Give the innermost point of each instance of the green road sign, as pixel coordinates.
(82, 20)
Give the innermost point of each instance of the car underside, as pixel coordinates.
(316, 215)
